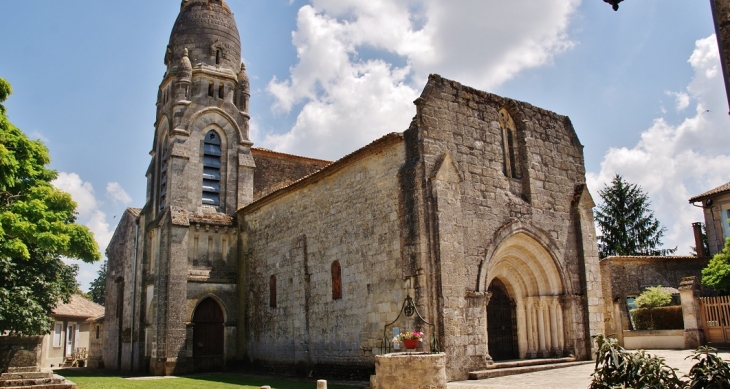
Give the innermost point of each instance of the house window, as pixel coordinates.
(272, 291)
(725, 215)
(336, 280)
(211, 169)
(57, 335)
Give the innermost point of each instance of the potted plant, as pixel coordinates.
(409, 339)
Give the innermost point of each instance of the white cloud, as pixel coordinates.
(90, 215)
(82, 192)
(681, 100)
(116, 193)
(673, 162)
(361, 64)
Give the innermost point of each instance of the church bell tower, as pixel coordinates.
(200, 173)
(201, 154)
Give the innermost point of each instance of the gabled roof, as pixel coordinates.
(78, 307)
(724, 188)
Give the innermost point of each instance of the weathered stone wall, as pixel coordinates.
(96, 345)
(120, 294)
(19, 351)
(624, 277)
(350, 216)
(462, 124)
(277, 170)
(410, 370)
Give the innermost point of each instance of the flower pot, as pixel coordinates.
(410, 343)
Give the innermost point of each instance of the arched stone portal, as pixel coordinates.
(208, 329)
(529, 274)
(501, 323)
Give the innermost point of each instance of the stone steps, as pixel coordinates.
(492, 373)
(33, 378)
(529, 362)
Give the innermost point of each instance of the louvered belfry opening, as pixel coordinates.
(211, 169)
(208, 329)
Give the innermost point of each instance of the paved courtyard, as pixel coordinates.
(576, 377)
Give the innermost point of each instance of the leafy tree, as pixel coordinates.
(628, 226)
(97, 290)
(717, 272)
(653, 297)
(37, 228)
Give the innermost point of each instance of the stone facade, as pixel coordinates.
(248, 257)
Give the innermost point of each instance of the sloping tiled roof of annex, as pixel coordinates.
(720, 189)
(78, 307)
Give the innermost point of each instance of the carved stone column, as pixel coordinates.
(531, 343)
(556, 348)
(522, 327)
(542, 352)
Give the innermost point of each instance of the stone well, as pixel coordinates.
(410, 370)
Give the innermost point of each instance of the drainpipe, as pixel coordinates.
(134, 295)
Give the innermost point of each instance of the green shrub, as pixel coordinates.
(710, 371)
(653, 297)
(618, 368)
(663, 318)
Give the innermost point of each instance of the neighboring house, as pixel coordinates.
(715, 205)
(71, 331)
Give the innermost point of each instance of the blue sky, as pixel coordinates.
(642, 86)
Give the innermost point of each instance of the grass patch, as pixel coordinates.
(95, 379)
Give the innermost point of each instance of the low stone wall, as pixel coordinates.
(410, 370)
(20, 351)
(654, 339)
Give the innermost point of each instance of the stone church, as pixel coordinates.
(247, 258)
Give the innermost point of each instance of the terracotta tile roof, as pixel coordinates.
(78, 307)
(720, 189)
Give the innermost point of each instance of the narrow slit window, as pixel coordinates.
(272, 291)
(221, 90)
(211, 169)
(210, 88)
(163, 175)
(336, 280)
(217, 57)
(509, 145)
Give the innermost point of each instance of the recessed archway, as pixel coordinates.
(522, 269)
(208, 329)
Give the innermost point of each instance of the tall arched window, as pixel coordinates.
(509, 145)
(211, 169)
(336, 280)
(272, 291)
(164, 153)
